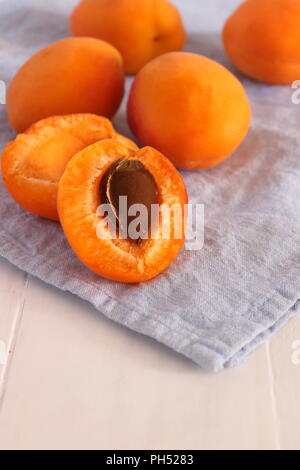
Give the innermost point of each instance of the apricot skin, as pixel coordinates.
(190, 108)
(73, 75)
(262, 39)
(140, 29)
(34, 162)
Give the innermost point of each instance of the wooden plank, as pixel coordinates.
(285, 359)
(79, 381)
(12, 292)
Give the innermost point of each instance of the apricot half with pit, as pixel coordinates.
(262, 39)
(34, 162)
(116, 241)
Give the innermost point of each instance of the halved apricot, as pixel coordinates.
(34, 162)
(98, 175)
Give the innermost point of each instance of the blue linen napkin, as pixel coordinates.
(214, 305)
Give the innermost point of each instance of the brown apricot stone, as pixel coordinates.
(129, 178)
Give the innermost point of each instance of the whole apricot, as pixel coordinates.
(140, 29)
(190, 108)
(74, 75)
(262, 38)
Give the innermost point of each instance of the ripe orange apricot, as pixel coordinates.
(81, 193)
(34, 162)
(74, 75)
(140, 29)
(262, 38)
(190, 108)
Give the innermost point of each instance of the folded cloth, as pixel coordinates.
(214, 305)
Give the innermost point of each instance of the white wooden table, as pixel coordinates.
(74, 380)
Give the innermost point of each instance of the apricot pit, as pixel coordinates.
(130, 178)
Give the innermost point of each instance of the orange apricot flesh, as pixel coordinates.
(34, 162)
(79, 198)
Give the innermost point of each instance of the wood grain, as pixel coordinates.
(78, 381)
(13, 283)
